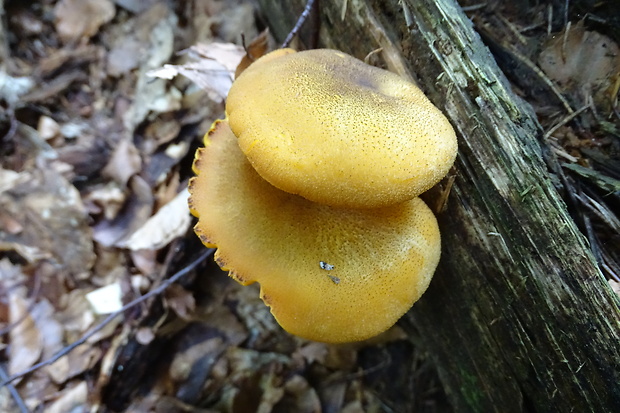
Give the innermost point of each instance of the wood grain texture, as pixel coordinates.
(518, 316)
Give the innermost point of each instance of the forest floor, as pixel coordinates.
(96, 149)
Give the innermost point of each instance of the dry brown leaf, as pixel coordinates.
(212, 68)
(82, 18)
(106, 299)
(48, 128)
(171, 221)
(304, 397)
(272, 392)
(582, 62)
(313, 351)
(184, 361)
(52, 332)
(353, 407)
(257, 48)
(124, 56)
(124, 163)
(108, 199)
(53, 218)
(136, 211)
(76, 362)
(155, 30)
(180, 300)
(76, 317)
(26, 342)
(71, 399)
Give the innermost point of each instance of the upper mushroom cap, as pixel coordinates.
(329, 274)
(337, 131)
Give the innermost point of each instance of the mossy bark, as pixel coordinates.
(518, 316)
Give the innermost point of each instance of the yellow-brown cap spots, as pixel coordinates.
(337, 131)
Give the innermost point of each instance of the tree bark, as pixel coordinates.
(518, 316)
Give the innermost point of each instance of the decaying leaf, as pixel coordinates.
(181, 301)
(72, 399)
(212, 68)
(582, 62)
(171, 221)
(124, 163)
(25, 337)
(53, 218)
(155, 31)
(107, 299)
(257, 48)
(78, 18)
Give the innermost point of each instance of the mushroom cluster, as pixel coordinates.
(310, 188)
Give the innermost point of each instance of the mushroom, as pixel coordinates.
(328, 273)
(337, 131)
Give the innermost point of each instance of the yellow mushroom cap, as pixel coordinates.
(329, 274)
(335, 130)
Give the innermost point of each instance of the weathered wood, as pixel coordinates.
(518, 316)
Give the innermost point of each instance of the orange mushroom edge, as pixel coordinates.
(329, 274)
(310, 188)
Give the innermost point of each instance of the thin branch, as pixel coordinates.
(564, 121)
(21, 405)
(111, 317)
(300, 22)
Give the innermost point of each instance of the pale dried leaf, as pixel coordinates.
(12, 88)
(48, 128)
(59, 370)
(304, 396)
(212, 69)
(108, 199)
(106, 300)
(82, 18)
(171, 221)
(184, 361)
(124, 56)
(353, 407)
(145, 335)
(9, 179)
(26, 342)
(124, 163)
(52, 216)
(160, 23)
(272, 393)
(582, 61)
(71, 399)
(52, 332)
(77, 315)
(314, 351)
(136, 6)
(136, 211)
(615, 286)
(180, 300)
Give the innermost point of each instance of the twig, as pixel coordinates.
(564, 121)
(111, 317)
(300, 22)
(14, 393)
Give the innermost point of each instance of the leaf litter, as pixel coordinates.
(104, 103)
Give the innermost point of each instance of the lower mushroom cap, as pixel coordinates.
(328, 274)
